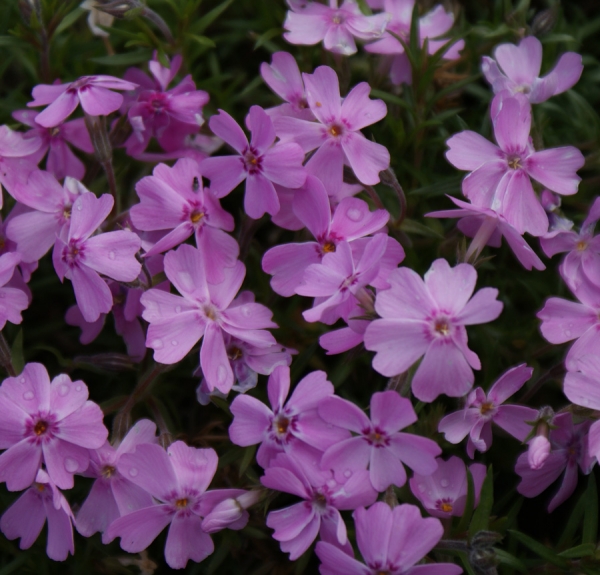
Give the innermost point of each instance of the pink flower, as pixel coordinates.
(378, 442)
(61, 161)
(177, 479)
(203, 310)
(92, 92)
(500, 174)
(293, 426)
(481, 410)
(310, 23)
(517, 70)
(49, 422)
(486, 226)
(297, 526)
(82, 258)
(174, 199)
(12, 299)
(391, 541)
(432, 26)
(231, 512)
(538, 452)
(428, 318)
(259, 162)
(113, 495)
(336, 134)
(443, 493)
(25, 518)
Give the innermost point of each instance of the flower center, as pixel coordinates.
(210, 312)
(442, 327)
(72, 253)
(514, 163)
(282, 425)
(336, 130)
(338, 18)
(376, 437)
(181, 503)
(486, 407)
(40, 427)
(252, 161)
(445, 505)
(196, 216)
(328, 247)
(581, 245)
(320, 501)
(108, 471)
(235, 353)
(67, 212)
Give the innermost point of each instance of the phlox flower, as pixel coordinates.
(92, 92)
(345, 338)
(113, 495)
(13, 299)
(351, 220)
(174, 199)
(582, 262)
(231, 512)
(500, 177)
(46, 422)
(337, 134)
(293, 426)
(427, 318)
(432, 26)
(443, 493)
(480, 410)
(177, 479)
(203, 310)
(486, 226)
(25, 518)
(516, 69)
(97, 17)
(391, 542)
(569, 450)
(259, 162)
(297, 526)
(82, 257)
(378, 442)
(309, 23)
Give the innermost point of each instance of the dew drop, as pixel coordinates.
(421, 487)
(568, 332)
(111, 255)
(79, 206)
(133, 472)
(157, 344)
(221, 374)
(78, 388)
(354, 214)
(347, 473)
(444, 483)
(22, 380)
(28, 395)
(63, 390)
(71, 465)
(174, 342)
(245, 310)
(178, 309)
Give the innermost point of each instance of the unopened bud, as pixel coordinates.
(231, 513)
(107, 361)
(539, 450)
(544, 21)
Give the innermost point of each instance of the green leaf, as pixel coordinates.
(590, 516)
(468, 512)
(247, 459)
(126, 59)
(18, 359)
(206, 20)
(481, 517)
(413, 227)
(584, 550)
(221, 404)
(202, 40)
(364, 7)
(510, 560)
(69, 20)
(449, 186)
(264, 38)
(541, 550)
(391, 99)
(574, 522)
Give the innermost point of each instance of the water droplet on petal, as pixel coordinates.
(22, 380)
(347, 473)
(174, 342)
(79, 206)
(78, 388)
(245, 310)
(63, 390)
(157, 344)
(71, 465)
(178, 309)
(111, 255)
(28, 395)
(567, 332)
(221, 374)
(444, 483)
(133, 472)
(354, 214)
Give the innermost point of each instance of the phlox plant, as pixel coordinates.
(299, 286)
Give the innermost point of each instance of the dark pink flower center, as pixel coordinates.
(72, 253)
(514, 162)
(336, 130)
(42, 426)
(376, 437)
(252, 161)
(445, 505)
(441, 327)
(108, 471)
(282, 427)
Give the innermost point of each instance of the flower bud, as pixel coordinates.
(539, 450)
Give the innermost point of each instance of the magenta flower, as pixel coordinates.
(378, 442)
(92, 92)
(582, 263)
(351, 220)
(35, 231)
(475, 420)
(12, 299)
(432, 26)
(486, 226)
(174, 199)
(231, 512)
(309, 23)
(82, 258)
(517, 70)
(538, 451)
(284, 78)
(336, 134)
(391, 541)
(46, 422)
(443, 493)
(428, 318)
(61, 160)
(259, 162)
(293, 426)
(113, 495)
(500, 174)
(177, 479)
(569, 450)
(25, 518)
(203, 310)
(297, 526)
